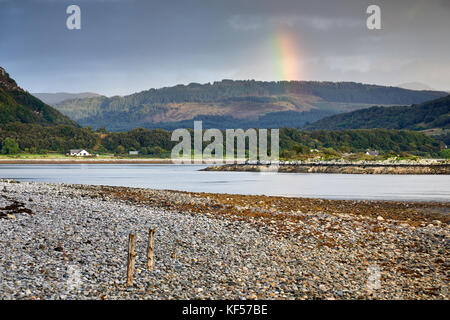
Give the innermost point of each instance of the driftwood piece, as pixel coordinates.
(151, 250)
(131, 259)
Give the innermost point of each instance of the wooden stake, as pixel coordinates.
(131, 257)
(150, 250)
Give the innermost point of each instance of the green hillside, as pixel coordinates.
(17, 105)
(428, 115)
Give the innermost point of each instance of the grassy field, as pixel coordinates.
(33, 156)
(63, 156)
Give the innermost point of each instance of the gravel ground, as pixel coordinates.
(70, 242)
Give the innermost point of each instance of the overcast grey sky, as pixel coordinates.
(125, 46)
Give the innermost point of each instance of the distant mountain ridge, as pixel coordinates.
(415, 86)
(17, 105)
(428, 115)
(57, 97)
(236, 104)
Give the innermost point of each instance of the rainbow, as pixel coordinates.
(287, 57)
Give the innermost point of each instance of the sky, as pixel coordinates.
(126, 46)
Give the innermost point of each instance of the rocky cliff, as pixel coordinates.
(7, 83)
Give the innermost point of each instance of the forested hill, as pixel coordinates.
(17, 105)
(428, 115)
(236, 103)
(229, 89)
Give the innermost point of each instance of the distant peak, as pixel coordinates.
(57, 97)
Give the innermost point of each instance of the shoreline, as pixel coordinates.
(425, 168)
(346, 168)
(217, 246)
(240, 205)
(229, 203)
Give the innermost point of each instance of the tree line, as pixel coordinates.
(34, 138)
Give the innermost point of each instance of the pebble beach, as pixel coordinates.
(63, 241)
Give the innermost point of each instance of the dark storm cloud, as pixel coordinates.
(131, 45)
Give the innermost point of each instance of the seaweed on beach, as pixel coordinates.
(15, 207)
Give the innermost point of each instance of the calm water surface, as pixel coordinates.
(188, 178)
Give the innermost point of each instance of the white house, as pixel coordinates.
(79, 153)
(133, 153)
(372, 153)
